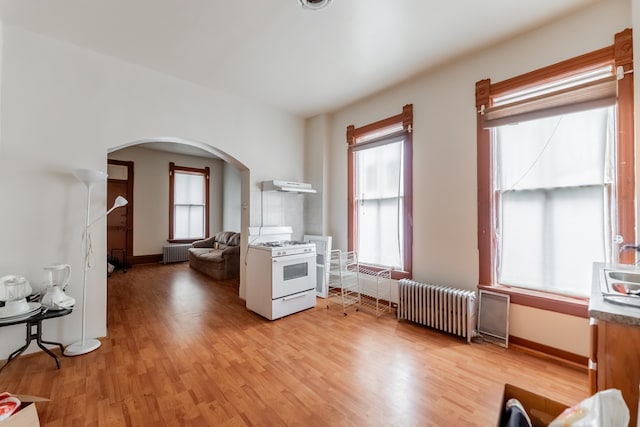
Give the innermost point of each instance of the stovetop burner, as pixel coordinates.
(282, 243)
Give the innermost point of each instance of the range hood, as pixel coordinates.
(287, 186)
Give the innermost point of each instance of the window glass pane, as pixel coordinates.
(545, 240)
(196, 221)
(521, 242)
(553, 220)
(380, 232)
(379, 171)
(379, 196)
(189, 222)
(573, 212)
(188, 189)
(554, 152)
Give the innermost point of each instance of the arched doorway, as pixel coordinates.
(185, 146)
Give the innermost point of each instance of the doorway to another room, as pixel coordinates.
(120, 221)
(144, 241)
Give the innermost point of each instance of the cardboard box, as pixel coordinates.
(541, 410)
(26, 415)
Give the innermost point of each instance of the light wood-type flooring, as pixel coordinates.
(182, 350)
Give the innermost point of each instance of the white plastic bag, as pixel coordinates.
(604, 409)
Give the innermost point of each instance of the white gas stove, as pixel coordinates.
(281, 273)
(285, 247)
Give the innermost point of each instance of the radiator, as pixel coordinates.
(447, 309)
(176, 252)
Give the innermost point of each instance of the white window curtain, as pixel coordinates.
(554, 179)
(189, 205)
(379, 197)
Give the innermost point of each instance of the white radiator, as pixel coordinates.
(175, 252)
(440, 307)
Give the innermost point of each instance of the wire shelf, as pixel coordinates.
(353, 286)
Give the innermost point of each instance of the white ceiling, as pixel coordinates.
(274, 52)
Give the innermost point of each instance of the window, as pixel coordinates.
(556, 176)
(380, 192)
(188, 203)
(553, 184)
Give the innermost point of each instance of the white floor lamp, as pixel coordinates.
(89, 177)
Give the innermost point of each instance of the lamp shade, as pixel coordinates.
(117, 203)
(120, 201)
(314, 4)
(89, 176)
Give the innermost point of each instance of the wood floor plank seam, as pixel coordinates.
(182, 349)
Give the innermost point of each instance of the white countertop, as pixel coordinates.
(609, 311)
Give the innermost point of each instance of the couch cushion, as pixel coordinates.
(207, 255)
(227, 238)
(234, 240)
(211, 256)
(223, 236)
(231, 249)
(199, 251)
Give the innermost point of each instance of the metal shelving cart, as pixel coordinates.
(343, 286)
(375, 290)
(352, 285)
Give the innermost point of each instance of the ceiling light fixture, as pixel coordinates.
(314, 4)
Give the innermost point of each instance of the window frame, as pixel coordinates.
(404, 119)
(205, 172)
(620, 54)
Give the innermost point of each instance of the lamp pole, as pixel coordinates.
(88, 177)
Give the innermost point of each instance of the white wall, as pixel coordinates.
(316, 169)
(64, 107)
(279, 208)
(444, 172)
(151, 194)
(232, 202)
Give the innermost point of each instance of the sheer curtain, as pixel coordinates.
(189, 201)
(554, 179)
(379, 196)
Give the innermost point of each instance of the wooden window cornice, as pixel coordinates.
(405, 118)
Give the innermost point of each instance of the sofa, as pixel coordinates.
(217, 256)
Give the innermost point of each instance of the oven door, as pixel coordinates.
(292, 274)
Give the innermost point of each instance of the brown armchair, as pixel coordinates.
(217, 256)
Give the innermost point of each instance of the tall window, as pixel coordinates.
(189, 203)
(380, 192)
(556, 174)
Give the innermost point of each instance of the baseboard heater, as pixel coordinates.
(447, 309)
(175, 252)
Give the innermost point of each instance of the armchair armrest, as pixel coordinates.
(231, 250)
(204, 243)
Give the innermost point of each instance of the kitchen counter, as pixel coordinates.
(609, 311)
(615, 343)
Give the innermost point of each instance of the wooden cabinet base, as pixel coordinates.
(618, 362)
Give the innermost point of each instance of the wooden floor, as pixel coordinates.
(183, 350)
